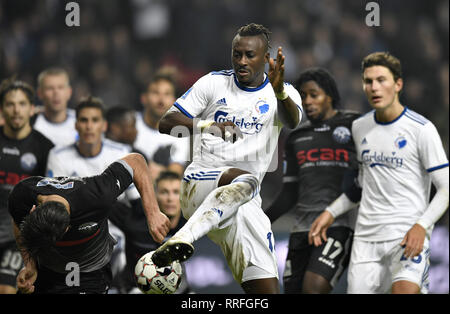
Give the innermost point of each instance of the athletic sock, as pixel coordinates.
(219, 205)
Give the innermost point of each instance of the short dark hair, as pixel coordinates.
(253, 29)
(324, 79)
(11, 84)
(385, 59)
(40, 230)
(117, 113)
(167, 175)
(162, 77)
(90, 102)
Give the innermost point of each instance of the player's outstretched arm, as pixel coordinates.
(287, 108)
(28, 274)
(227, 130)
(174, 119)
(157, 222)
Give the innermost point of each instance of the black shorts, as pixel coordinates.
(328, 260)
(10, 263)
(95, 282)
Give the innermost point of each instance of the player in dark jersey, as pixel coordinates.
(121, 125)
(23, 153)
(138, 241)
(64, 241)
(317, 155)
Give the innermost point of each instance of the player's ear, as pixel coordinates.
(69, 92)
(329, 100)
(144, 99)
(33, 110)
(399, 85)
(33, 209)
(39, 92)
(267, 57)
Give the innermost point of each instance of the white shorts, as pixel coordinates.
(246, 238)
(375, 266)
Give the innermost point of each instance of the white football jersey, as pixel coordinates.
(218, 96)
(395, 159)
(149, 141)
(61, 134)
(68, 162)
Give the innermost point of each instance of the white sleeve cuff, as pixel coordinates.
(424, 223)
(340, 206)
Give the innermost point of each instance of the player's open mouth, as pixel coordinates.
(243, 72)
(376, 99)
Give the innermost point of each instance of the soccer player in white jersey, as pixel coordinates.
(89, 156)
(400, 154)
(164, 152)
(57, 122)
(239, 114)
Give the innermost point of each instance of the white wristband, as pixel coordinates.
(204, 124)
(282, 95)
(340, 205)
(425, 224)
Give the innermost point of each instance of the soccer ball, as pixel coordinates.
(151, 279)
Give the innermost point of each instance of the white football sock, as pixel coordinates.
(219, 205)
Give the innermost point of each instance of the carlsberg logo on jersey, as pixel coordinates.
(255, 149)
(247, 127)
(380, 159)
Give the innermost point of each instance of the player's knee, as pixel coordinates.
(315, 284)
(315, 288)
(242, 189)
(249, 184)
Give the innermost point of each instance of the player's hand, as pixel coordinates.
(26, 278)
(276, 72)
(413, 241)
(318, 230)
(227, 130)
(159, 226)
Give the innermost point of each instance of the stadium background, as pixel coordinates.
(120, 44)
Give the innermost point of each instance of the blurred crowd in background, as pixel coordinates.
(120, 45)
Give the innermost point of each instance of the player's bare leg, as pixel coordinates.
(315, 284)
(261, 286)
(405, 287)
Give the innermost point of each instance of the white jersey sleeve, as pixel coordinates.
(197, 98)
(295, 96)
(433, 158)
(431, 151)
